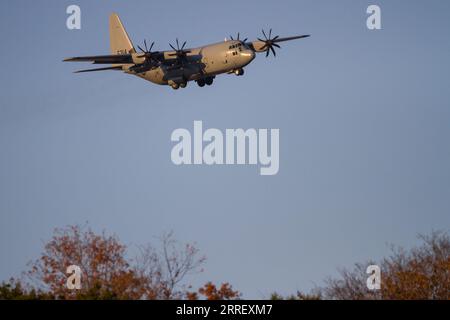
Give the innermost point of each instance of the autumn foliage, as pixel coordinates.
(160, 272)
(421, 273)
(105, 271)
(210, 292)
(155, 273)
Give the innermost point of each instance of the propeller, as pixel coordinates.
(147, 50)
(180, 53)
(150, 58)
(238, 35)
(270, 43)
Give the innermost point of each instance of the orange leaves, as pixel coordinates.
(105, 271)
(101, 259)
(210, 292)
(421, 273)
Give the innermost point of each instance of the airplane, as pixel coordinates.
(178, 66)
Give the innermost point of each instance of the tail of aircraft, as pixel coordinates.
(119, 41)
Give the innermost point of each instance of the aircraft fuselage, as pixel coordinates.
(202, 63)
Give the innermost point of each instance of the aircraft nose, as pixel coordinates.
(248, 55)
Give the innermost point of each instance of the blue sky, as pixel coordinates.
(363, 118)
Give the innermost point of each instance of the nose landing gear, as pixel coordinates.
(239, 72)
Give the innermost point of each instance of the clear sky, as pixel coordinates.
(364, 135)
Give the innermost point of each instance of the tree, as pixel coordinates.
(106, 273)
(210, 292)
(165, 269)
(299, 296)
(420, 273)
(15, 290)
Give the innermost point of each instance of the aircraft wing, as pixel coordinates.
(108, 59)
(290, 38)
(100, 69)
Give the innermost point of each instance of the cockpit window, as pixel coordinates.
(237, 45)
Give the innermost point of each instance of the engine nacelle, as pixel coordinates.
(257, 46)
(138, 58)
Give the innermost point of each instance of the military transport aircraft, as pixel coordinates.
(178, 66)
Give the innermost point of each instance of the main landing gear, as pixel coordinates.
(208, 81)
(201, 83)
(239, 72)
(177, 85)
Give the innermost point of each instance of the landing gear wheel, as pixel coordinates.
(239, 72)
(175, 86)
(183, 85)
(201, 83)
(209, 81)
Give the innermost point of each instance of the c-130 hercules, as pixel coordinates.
(179, 66)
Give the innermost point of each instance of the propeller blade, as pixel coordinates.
(245, 40)
(172, 47)
(264, 34)
(184, 44)
(140, 49)
(273, 51)
(145, 44)
(151, 46)
(276, 45)
(267, 53)
(238, 36)
(270, 33)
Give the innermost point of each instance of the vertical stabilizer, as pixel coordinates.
(119, 40)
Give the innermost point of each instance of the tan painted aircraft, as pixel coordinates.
(179, 66)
